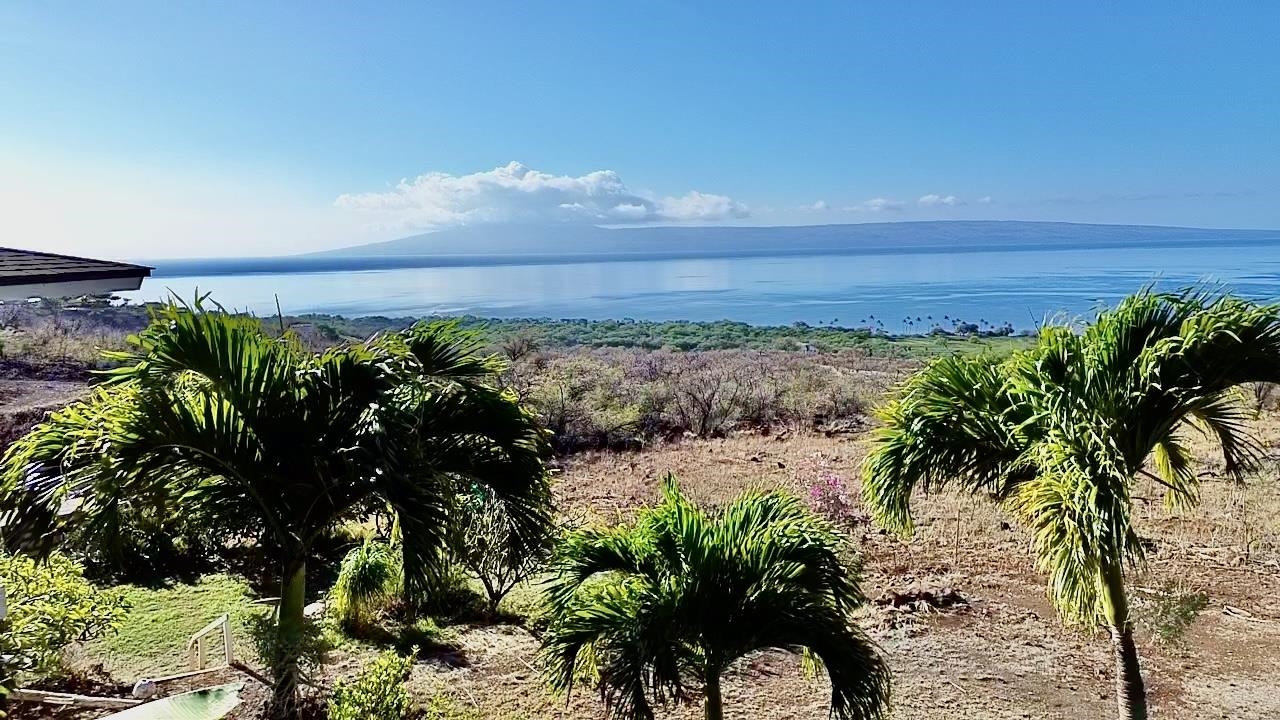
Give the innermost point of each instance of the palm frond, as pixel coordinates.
(1225, 419)
(482, 436)
(446, 352)
(955, 421)
(656, 606)
(1174, 465)
(860, 678)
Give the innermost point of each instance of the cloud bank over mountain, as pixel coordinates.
(517, 193)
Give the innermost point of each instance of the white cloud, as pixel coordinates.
(877, 204)
(699, 206)
(819, 206)
(932, 200)
(984, 200)
(516, 193)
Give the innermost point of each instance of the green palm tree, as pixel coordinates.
(652, 609)
(211, 414)
(1060, 432)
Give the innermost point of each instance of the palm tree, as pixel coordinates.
(669, 602)
(213, 414)
(1060, 433)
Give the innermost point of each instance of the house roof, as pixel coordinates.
(23, 267)
(26, 273)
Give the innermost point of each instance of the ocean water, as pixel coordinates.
(1021, 286)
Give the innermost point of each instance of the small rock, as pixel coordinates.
(144, 689)
(314, 610)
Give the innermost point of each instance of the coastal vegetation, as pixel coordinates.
(1060, 432)
(76, 330)
(208, 415)
(426, 521)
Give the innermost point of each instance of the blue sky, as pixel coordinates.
(163, 129)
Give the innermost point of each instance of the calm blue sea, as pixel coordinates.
(1021, 286)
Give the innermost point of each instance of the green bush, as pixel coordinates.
(369, 580)
(452, 597)
(309, 650)
(1169, 613)
(584, 401)
(377, 693)
(50, 606)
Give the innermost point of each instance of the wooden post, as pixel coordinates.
(196, 657)
(227, 651)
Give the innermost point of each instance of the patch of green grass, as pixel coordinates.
(422, 635)
(523, 603)
(153, 638)
(441, 707)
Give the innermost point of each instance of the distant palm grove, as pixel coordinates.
(384, 479)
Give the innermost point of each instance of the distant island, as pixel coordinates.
(505, 244)
(942, 235)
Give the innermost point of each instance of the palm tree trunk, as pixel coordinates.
(1131, 693)
(715, 705)
(289, 635)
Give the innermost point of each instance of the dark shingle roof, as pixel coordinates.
(25, 267)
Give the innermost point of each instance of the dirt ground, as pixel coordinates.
(1004, 655)
(25, 401)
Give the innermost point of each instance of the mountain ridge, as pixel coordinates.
(506, 239)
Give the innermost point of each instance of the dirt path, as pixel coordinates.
(23, 403)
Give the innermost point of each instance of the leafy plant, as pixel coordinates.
(649, 611)
(369, 579)
(1170, 612)
(485, 543)
(377, 693)
(50, 606)
(304, 650)
(211, 413)
(832, 499)
(1061, 432)
(207, 704)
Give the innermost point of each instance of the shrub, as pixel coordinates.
(140, 543)
(50, 606)
(1169, 613)
(711, 393)
(484, 542)
(452, 597)
(619, 398)
(309, 650)
(377, 693)
(369, 580)
(584, 401)
(832, 499)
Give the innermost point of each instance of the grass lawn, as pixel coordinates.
(153, 637)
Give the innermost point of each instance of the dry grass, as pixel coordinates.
(1005, 656)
